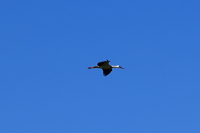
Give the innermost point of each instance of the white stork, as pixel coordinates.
(106, 67)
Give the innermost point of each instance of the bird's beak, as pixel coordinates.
(122, 67)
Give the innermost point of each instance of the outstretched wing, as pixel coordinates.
(103, 63)
(106, 71)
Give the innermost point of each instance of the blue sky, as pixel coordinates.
(46, 47)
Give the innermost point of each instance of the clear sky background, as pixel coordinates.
(46, 47)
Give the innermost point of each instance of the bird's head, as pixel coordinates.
(120, 67)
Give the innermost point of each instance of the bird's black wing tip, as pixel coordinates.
(106, 71)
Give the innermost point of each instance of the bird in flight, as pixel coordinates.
(106, 67)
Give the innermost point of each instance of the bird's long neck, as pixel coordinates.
(115, 66)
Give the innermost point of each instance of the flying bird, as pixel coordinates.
(106, 67)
